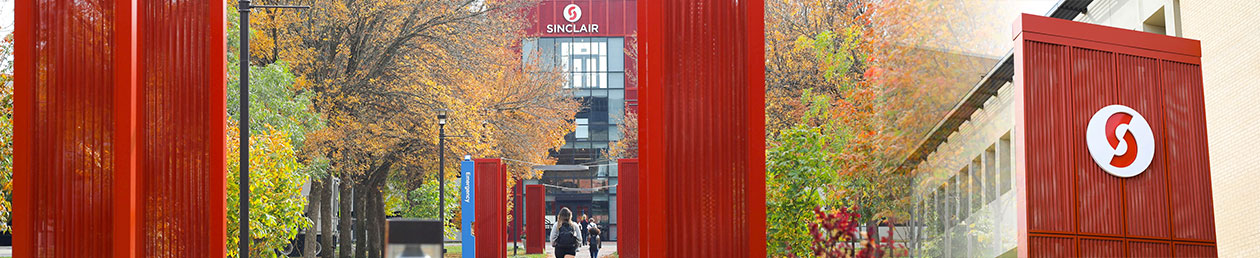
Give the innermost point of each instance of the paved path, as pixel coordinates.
(585, 252)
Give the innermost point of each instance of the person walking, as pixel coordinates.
(582, 221)
(594, 240)
(564, 235)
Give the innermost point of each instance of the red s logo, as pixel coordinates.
(1120, 141)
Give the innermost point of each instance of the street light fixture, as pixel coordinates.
(441, 116)
(244, 7)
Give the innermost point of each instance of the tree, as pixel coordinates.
(380, 70)
(800, 176)
(6, 133)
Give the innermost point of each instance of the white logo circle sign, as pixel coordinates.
(572, 13)
(1120, 141)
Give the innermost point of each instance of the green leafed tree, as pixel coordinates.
(280, 117)
(800, 176)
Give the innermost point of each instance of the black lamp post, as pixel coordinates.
(244, 7)
(441, 116)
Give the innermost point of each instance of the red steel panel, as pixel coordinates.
(535, 230)
(1099, 248)
(1194, 251)
(1049, 190)
(1068, 71)
(1098, 193)
(628, 208)
(67, 148)
(701, 72)
(1146, 198)
(1149, 249)
(1041, 246)
(180, 128)
(491, 225)
(1186, 144)
(614, 18)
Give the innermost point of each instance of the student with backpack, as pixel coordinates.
(564, 235)
(594, 240)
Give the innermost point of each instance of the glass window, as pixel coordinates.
(582, 130)
(616, 59)
(962, 184)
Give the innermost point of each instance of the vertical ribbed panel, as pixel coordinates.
(176, 114)
(1050, 247)
(628, 208)
(535, 223)
(73, 127)
(1149, 249)
(1099, 248)
(703, 128)
(1186, 143)
(491, 204)
(1050, 184)
(1194, 251)
(1090, 86)
(1146, 198)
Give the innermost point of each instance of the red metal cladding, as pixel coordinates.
(1146, 198)
(628, 208)
(1067, 72)
(181, 114)
(1099, 248)
(536, 209)
(1040, 246)
(1149, 249)
(1049, 199)
(1186, 140)
(491, 225)
(610, 18)
(1194, 251)
(702, 132)
(67, 150)
(93, 155)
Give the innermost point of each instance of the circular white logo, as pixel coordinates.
(572, 12)
(1120, 141)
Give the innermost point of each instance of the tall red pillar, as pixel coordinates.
(119, 129)
(491, 225)
(628, 226)
(702, 131)
(535, 224)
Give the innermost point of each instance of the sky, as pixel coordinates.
(6, 16)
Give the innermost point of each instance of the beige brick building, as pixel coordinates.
(1231, 78)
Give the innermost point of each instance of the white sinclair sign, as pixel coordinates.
(572, 13)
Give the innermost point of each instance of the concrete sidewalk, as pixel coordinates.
(606, 249)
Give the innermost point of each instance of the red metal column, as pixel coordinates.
(491, 204)
(85, 173)
(535, 224)
(702, 134)
(628, 226)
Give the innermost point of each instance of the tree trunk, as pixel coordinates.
(360, 219)
(343, 227)
(325, 218)
(872, 236)
(312, 211)
(376, 223)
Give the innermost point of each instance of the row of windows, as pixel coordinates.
(587, 62)
(987, 177)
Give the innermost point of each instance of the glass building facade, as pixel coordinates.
(594, 65)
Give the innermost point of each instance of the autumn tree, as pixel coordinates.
(6, 133)
(889, 69)
(380, 70)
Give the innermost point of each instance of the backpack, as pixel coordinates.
(565, 239)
